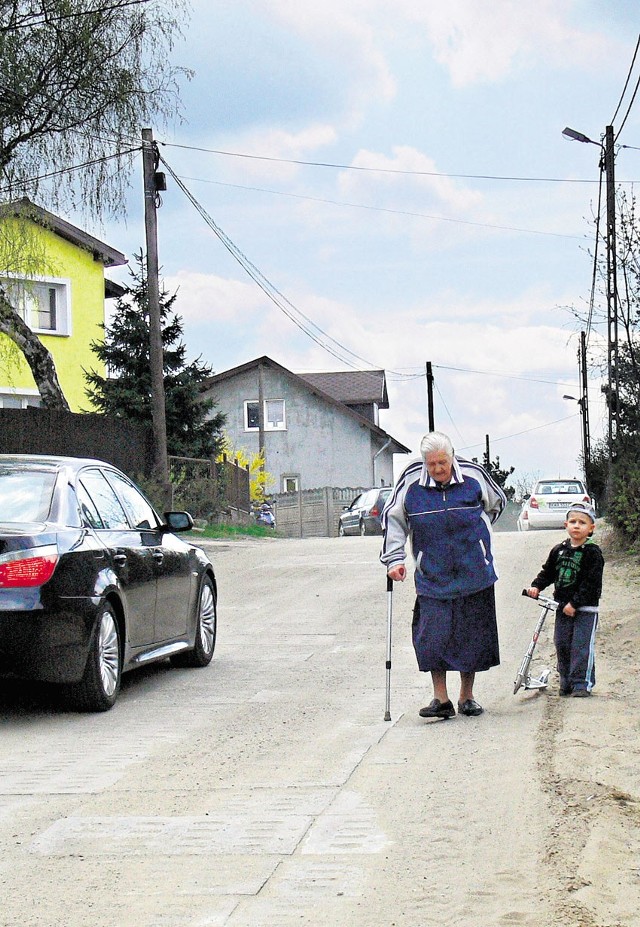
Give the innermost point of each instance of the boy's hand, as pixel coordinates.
(533, 592)
(569, 610)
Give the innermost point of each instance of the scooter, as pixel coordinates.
(523, 677)
(265, 516)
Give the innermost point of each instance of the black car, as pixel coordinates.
(93, 582)
(363, 515)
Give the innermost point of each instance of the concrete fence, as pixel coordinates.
(312, 513)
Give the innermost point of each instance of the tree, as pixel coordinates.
(78, 79)
(498, 475)
(191, 432)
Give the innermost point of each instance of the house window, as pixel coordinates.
(290, 483)
(19, 401)
(44, 304)
(274, 415)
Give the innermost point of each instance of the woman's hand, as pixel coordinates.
(397, 573)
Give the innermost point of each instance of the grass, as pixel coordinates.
(230, 531)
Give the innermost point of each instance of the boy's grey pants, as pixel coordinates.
(575, 648)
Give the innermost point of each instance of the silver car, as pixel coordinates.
(363, 515)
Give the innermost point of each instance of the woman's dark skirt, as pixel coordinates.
(456, 634)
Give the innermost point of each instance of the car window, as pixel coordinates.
(138, 509)
(370, 498)
(105, 501)
(559, 487)
(384, 496)
(90, 515)
(26, 494)
(357, 501)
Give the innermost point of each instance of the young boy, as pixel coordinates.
(575, 566)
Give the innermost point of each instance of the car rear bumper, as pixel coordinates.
(547, 519)
(47, 645)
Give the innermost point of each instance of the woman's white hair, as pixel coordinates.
(436, 441)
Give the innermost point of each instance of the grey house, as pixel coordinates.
(316, 429)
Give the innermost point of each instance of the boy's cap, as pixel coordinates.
(585, 507)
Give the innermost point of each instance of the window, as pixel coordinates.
(290, 484)
(274, 415)
(44, 304)
(138, 509)
(105, 502)
(19, 400)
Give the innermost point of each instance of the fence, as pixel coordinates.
(312, 513)
(71, 434)
(121, 443)
(226, 485)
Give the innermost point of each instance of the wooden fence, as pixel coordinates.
(230, 481)
(71, 434)
(105, 437)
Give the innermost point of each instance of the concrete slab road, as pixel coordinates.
(267, 789)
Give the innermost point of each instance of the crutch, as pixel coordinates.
(387, 704)
(523, 677)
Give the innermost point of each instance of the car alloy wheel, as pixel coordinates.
(363, 529)
(100, 684)
(205, 631)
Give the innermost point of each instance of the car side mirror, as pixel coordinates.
(178, 521)
(527, 495)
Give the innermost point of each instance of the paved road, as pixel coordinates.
(267, 789)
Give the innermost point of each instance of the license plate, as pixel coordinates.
(559, 505)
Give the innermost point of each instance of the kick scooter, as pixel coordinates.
(523, 677)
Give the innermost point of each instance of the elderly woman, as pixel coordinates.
(446, 505)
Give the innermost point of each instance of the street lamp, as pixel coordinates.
(578, 136)
(612, 285)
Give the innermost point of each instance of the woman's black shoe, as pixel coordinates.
(471, 708)
(438, 709)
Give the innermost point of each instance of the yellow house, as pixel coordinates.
(53, 274)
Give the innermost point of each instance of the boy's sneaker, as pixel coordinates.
(581, 693)
(565, 690)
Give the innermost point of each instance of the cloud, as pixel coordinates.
(482, 42)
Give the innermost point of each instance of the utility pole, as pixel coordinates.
(432, 426)
(152, 183)
(487, 454)
(612, 290)
(584, 406)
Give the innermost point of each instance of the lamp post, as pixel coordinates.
(607, 160)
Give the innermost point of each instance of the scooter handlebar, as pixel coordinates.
(542, 600)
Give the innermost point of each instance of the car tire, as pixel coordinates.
(363, 529)
(206, 630)
(99, 687)
(341, 531)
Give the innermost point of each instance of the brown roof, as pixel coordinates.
(352, 386)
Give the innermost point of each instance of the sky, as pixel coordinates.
(396, 172)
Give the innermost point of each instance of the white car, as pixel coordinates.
(548, 503)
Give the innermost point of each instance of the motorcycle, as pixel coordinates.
(265, 516)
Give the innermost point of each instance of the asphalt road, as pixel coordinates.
(267, 789)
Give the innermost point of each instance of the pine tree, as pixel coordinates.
(192, 431)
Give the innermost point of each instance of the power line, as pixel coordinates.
(395, 212)
(68, 170)
(378, 170)
(269, 289)
(526, 431)
(626, 83)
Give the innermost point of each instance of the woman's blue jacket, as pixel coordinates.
(449, 528)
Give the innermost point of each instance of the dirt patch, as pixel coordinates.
(589, 755)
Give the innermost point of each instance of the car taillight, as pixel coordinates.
(586, 499)
(23, 568)
(533, 503)
(525, 515)
(374, 511)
